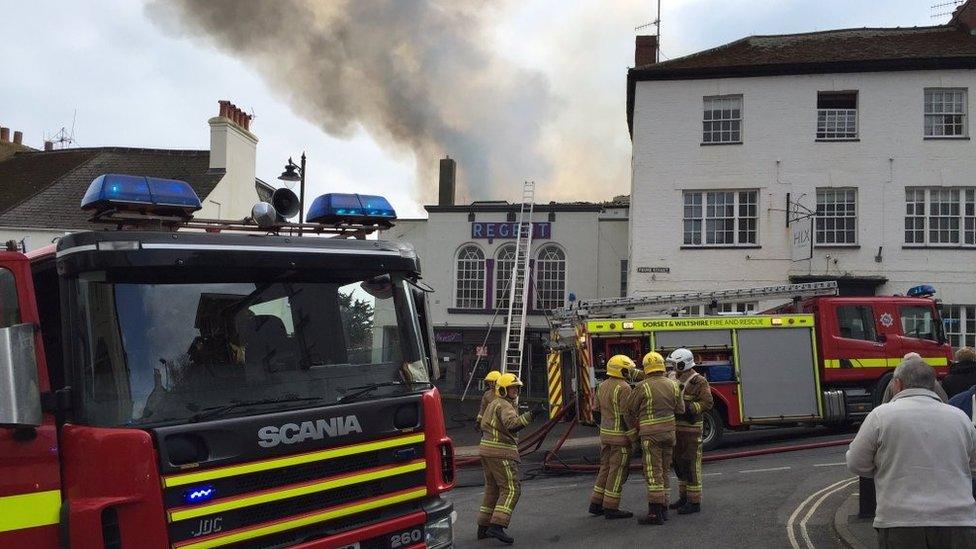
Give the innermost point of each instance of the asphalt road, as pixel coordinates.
(778, 500)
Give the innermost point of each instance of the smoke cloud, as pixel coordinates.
(417, 75)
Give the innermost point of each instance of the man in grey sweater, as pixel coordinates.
(921, 454)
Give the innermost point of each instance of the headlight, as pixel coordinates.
(440, 533)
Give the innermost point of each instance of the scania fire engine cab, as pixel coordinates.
(187, 383)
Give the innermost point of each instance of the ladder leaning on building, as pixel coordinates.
(517, 299)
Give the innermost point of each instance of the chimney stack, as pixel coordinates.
(4, 135)
(18, 138)
(964, 17)
(645, 50)
(448, 183)
(233, 149)
(48, 145)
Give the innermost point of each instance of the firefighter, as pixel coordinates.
(616, 437)
(655, 402)
(486, 398)
(500, 459)
(697, 396)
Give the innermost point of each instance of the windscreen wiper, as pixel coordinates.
(216, 411)
(366, 389)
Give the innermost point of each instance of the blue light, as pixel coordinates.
(338, 207)
(132, 192)
(199, 494)
(922, 290)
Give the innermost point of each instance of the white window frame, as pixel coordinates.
(837, 124)
(549, 278)
(935, 111)
(474, 266)
(701, 215)
(731, 121)
(955, 218)
(844, 210)
(503, 281)
(960, 325)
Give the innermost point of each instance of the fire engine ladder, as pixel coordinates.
(517, 299)
(629, 306)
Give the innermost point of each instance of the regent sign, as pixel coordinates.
(493, 230)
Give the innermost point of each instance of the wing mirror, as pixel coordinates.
(20, 395)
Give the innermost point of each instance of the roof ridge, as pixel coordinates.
(848, 29)
(173, 152)
(50, 184)
(809, 33)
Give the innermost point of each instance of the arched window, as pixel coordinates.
(550, 278)
(470, 292)
(504, 263)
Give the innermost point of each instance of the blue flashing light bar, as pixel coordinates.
(133, 192)
(199, 494)
(922, 290)
(339, 207)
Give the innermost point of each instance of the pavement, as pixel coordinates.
(854, 532)
(778, 500)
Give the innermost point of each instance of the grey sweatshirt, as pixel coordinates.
(921, 454)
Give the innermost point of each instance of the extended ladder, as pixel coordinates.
(517, 300)
(629, 306)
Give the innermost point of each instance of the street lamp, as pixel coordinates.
(292, 174)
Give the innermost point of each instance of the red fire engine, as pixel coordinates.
(818, 359)
(192, 383)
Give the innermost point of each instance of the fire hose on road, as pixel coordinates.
(552, 464)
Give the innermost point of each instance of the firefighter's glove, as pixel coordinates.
(538, 410)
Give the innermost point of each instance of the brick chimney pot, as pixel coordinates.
(19, 138)
(4, 135)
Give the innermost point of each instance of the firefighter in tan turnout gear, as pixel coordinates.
(486, 398)
(697, 396)
(655, 402)
(616, 437)
(500, 459)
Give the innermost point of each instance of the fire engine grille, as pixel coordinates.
(275, 510)
(242, 484)
(302, 535)
(288, 499)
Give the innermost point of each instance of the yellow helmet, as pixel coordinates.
(618, 365)
(504, 382)
(653, 362)
(493, 376)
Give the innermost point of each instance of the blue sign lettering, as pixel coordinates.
(491, 231)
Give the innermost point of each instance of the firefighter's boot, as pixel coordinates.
(596, 509)
(497, 532)
(678, 504)
(482, 532)
(689, 508)
(664, 512)
(612, 514)
(654, 515)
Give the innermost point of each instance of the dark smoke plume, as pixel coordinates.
(417, 75)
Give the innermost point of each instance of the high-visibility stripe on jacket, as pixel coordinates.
(498, 428)
(654, 402)
(697, 396)
(616, 428)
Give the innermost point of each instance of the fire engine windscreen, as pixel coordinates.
(174, 352)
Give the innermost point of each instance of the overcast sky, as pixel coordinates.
(137, 83)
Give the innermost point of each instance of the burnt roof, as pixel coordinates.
(834, 51)
(43, 189)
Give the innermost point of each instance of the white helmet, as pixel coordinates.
(682, 359)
